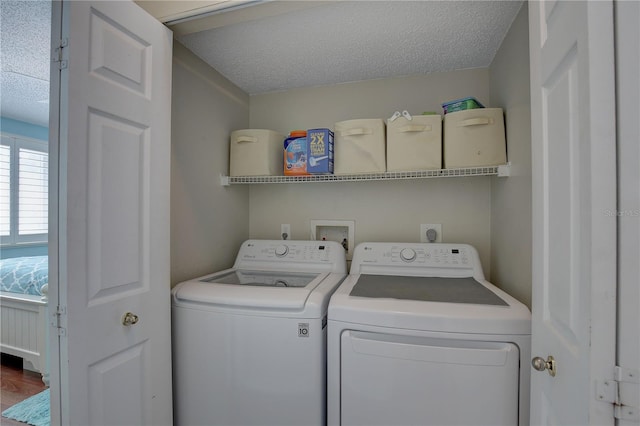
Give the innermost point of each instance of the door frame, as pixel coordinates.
(56, 102)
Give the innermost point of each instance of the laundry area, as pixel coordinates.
(489, 212)
(230, 183)
(301, 212)
(436, 294)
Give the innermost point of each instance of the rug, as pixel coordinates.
(33, 410)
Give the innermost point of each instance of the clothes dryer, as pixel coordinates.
(418, 336)
(250, 342)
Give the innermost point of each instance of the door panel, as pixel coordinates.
(574, 241)
(559, 97)
(119, 55)
(113, 214)
(118, 201)
(108, 374)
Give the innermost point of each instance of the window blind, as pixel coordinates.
(24, 187)
(5, 190)
(33, 188)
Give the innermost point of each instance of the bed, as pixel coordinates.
(23, 310)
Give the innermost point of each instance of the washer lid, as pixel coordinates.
(246, 290)
(263, 278)
(428, 289)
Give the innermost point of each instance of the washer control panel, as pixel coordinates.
(417, 256)
(278, 252)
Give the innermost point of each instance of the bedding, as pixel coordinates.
(23, 311)
(24, 275)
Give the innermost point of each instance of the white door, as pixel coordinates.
(110, 248)
(574, 192)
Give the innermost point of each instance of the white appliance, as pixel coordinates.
(250, 342)
(417, 336)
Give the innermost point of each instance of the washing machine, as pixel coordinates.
(250, 342)
(417, 336)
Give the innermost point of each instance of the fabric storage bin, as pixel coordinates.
(474, 138)
(414, 144)
(359, 146)
(255, 152)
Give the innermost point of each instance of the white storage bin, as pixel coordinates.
(474, 138)
(256, 152)
(359, 146)
(414, 144)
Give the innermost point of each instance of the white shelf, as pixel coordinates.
(502, 171)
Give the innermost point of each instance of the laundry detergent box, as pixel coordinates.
(308, 152)
(295, 153)
(319, 151)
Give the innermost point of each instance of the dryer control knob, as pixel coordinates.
(408, 255)
(282, 250)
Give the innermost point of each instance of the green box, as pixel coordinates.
(461, 105)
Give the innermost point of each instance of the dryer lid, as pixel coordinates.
(427, 289)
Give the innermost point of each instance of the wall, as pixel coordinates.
(322, 106)
(21, 128)
(208, 221)
(386, 210)
(511, 197)
(17, 127)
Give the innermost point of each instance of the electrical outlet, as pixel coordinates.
(341, 231)
(285, 231)
(425, 227)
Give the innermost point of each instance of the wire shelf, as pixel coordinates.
(502, 170)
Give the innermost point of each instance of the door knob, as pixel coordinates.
(129, 319)
(540, 364)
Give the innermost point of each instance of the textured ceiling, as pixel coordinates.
(24, 60)
(334, 42)
(355, 40)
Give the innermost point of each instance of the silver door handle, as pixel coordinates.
(129, 319)
(540, 364)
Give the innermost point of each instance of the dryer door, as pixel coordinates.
(404, 380)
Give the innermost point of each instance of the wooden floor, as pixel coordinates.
(16, 385)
